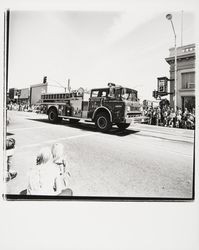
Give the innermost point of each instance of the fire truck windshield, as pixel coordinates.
(129, 94)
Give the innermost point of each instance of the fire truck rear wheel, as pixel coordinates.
(53, 116)
(103, 122)
(123, 126)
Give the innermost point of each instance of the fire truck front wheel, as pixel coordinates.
(53, 116)
(123, 126)
(102, 122)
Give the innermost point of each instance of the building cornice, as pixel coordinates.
(186, 56)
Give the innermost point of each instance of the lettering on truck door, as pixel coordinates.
(94, 102)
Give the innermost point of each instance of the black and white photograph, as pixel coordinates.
(99, 104)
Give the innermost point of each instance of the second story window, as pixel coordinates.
(188, 80)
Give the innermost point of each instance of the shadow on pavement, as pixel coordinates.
(89, 127)
(8, 134)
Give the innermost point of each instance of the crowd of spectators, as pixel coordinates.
(167, 117)
(24, 107)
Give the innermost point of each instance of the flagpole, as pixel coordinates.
(181, 28)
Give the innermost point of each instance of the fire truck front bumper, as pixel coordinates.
(135, 119)
(128, 120)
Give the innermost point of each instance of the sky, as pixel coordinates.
(92, 48)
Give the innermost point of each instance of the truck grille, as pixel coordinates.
(133, 114)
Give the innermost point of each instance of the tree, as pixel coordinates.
(164, 102)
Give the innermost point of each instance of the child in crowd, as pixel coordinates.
(60, 161)
(178, 118)
(172, 118)
(44, 177)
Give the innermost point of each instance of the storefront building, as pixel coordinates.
(19, 96)
(24, 96)
(185, 96)
(13, 97)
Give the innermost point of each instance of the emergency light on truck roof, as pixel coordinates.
(110, 84)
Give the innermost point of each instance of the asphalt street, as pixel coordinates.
(142, 161)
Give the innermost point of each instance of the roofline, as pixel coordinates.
(171, 58)
(39, 84)
(184, 46)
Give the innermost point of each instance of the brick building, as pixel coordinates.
(20, 96)
(185, 96)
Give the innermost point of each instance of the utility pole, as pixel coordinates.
(69, 87)
(169, 17)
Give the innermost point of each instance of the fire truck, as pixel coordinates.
(113, 105)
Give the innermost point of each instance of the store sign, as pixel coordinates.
(162, 85)
(24, 93)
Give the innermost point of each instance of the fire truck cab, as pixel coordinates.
(113, 105)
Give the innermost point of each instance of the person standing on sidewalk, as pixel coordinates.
(8, 173)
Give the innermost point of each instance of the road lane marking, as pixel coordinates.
(53, 141)
(26, 128)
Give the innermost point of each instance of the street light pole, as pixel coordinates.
(169, 17)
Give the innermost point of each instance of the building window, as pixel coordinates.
(188, 102)
(188, 80)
